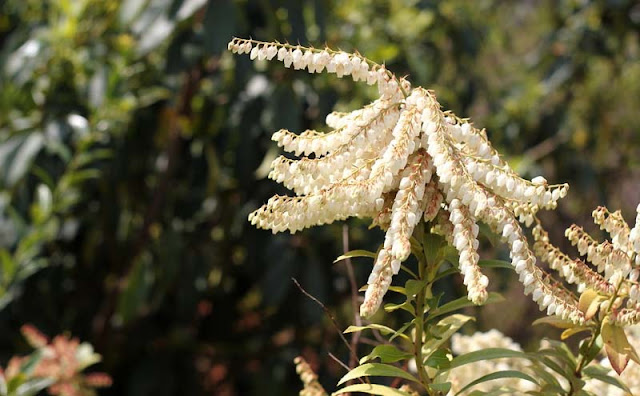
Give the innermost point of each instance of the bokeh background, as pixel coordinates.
(133, 146)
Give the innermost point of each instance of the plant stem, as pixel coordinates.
(423, 275)
(581, 359)
(419, 333)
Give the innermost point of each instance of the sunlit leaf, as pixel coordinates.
(498, 375)
(464, 302)
(381, 328)
(486, 354)
(387, 354)
(372, 389)
(376, 370)
(404, 306)
(356, 253)
(442, 331)
(440, 359)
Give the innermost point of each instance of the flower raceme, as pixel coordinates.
(399, 160)
(616, 264)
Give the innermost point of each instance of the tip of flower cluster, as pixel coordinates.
(315, 60)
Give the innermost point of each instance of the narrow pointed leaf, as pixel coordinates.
(443, 387)
(486, 354)
(464, 302)
(499, 375)
(371, 389)
(443, 331)
(356, 253)
(440, 359)
(601, 374)
(387, 354)
(376, 370)
(554, 321)
(383, 329)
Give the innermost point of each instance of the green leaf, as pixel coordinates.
(445, 273)
(434, 301)
(376, 370)
(387, 354)
(601, 374)
(30, 363)
(413, 287)
(372, 389)
(381, 328)
(401, 330)
(395, 289)
(440, 359)
(498, 375)
(78, 177)
(432, 245)
(20, 161)
(550, 363)
(443, 330)
(443, 387)
(33, 386)
(486, 354)
(590, 352)
(464, 302)
(405, 306)
(547, 378)
(356, 253)
(7, 267)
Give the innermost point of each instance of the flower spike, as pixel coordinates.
(398, 161)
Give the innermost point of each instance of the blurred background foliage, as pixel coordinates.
(133, 147)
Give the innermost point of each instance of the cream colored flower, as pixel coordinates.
(615, 263)
(397, 161)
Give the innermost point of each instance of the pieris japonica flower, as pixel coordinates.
(397, 161)
(616, 264)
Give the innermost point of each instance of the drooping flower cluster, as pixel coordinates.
(616, 263)
(397, 161)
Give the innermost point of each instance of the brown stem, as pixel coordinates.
(331, 317)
